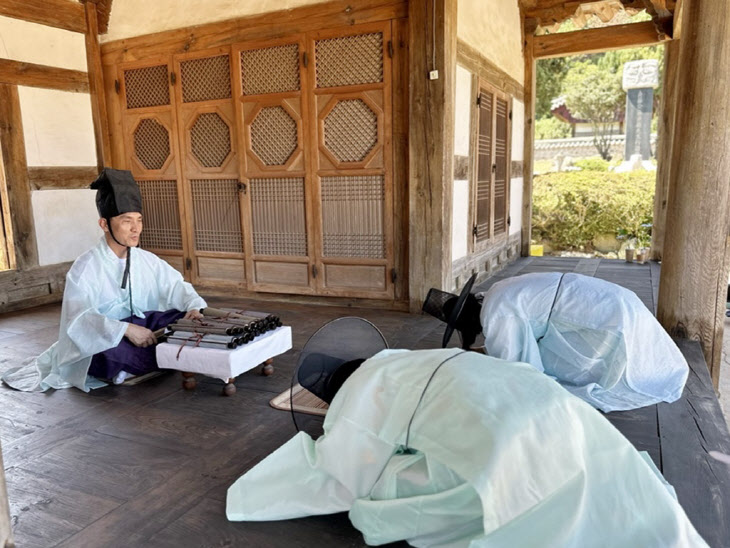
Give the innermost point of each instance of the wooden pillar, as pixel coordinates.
(664, 150)
(6, 530)
(696, 255)
(12, 145)
(529, 26)
(432, 46)
(96, 87)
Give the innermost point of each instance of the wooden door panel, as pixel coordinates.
(273, 136)
(350, 130)
(209, 140)
(272, 114)
(352, 160)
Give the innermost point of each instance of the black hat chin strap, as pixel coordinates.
(126, 277)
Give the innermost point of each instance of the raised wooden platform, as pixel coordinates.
(149, 465)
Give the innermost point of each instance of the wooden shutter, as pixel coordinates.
(501, 171)
(484, 165)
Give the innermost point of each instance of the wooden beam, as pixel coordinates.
(32, 287)
(41, 76)
(6, 227)
(529, 133)
(696, 255)
(62, 14)
(664, 151)
(476, 63)
(595, 40)
(256, 27)
(6, 529)
(430, 145)
(61, 177)
(12, 147)
(96, 89)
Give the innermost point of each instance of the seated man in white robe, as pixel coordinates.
(453, 448)
(116, 296)
(597, 339)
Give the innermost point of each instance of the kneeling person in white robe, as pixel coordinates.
(116, 295)
(453, 448)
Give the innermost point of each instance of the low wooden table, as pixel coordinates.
(225, 364)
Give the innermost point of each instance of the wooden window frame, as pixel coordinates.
(479, 84)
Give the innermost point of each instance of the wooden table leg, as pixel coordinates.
(268, 369)
(230, 388)
(189, 382)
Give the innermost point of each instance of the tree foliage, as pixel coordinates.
(595, 95)
(552, 128)
(550, 75)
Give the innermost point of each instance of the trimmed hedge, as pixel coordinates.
(570, 209)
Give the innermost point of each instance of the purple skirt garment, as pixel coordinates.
(132, 359)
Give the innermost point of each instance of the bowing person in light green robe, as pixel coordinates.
(491, 454)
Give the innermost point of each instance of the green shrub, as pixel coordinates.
(570, 209)
(552, 128)
(594, 163)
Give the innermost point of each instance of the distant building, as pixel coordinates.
(580, 127)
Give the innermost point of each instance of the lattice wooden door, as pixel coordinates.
(270, 81)
(352, 160)
(212, 188)
(150, 130)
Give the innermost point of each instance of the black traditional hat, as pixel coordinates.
(116, 193)
(460, 313)
(333, 353)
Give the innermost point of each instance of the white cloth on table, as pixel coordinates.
(93, 305)
(224, 364)
(502, 457)
(595, 338)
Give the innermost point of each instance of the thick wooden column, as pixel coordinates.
(6, 530)
(12, 144)
(432, 46)
(529, 26)
(696, 254)
(664, 150)
(96, 87)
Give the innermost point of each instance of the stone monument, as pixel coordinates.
(640, 79)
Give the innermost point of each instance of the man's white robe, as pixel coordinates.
(93, 305)
(502, 457)
(595, 338)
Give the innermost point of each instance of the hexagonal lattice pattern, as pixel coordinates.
(210, 139)
(273, 136)
(351, 130)
(151, 143)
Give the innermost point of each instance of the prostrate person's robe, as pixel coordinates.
(93, 304)
(502, 457)
(595, 338)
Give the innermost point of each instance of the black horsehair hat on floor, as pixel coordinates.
(460, 313)
(333, 353)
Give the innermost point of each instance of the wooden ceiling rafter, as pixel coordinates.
(550, 14)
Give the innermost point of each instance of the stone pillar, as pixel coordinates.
(640, 79)
(696, 255)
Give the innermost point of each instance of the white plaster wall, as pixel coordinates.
(33, 43)
(58, 128)
(518, 130)
(462, 111)
(492, 27)
(515, 205)
(126, 22)
(65, 224)
(460, 216)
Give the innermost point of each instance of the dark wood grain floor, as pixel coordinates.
(149, 465)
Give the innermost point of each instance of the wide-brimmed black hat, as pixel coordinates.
(333, 353)
(460, 313)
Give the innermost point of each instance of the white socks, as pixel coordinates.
(121, 377)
